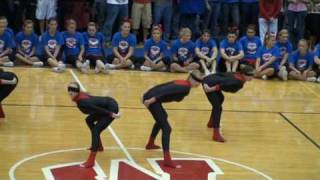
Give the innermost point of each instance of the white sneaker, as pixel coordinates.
(318, 80)
(8, 64)
(110, 66)
(58, 69)
(283, 73)
(132, 66)
(264, 77)
(37, 64)
(61, 65)
(99, 67)
(145, 68)
(85, 67)
(311, 79)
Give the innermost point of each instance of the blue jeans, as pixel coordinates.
(190, 21)
(163, 14)
(175, 21)
(211, 18)
(250, 13)
(296, 25)
(113, 12)
(230, 9)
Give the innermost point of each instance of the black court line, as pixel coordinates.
(300, 130)
(169, 109)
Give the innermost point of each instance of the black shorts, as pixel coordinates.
(72, 59)
(111, 57)
(93, 59)
(181, 63)
(45, 57)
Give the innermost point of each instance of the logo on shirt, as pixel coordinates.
(71, 42)
(205, 50)
(302, 64)
(26, 45)
(154, 51)
(266, 57)
(1, 45)
(123, 46)
(283, 51)
(230, 51)
(183, 53)
(52, 44)
(252, 48)
(93, 43)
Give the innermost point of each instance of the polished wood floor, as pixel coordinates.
(271, 126)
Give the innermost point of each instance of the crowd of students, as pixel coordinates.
(274, 57)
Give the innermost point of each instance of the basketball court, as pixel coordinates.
(271, 127)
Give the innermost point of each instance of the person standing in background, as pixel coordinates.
(230, 8)
(250, 13)
(162, 14)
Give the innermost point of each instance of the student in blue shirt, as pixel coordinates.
(267, 56)
(316, 65)
(183, 53)
(4, 21)
(207, 52)
(285, 47)
(52, 42)
(231, 51)
(123, 44)
(5, 47)
(251, 44)
(74, 47)
(27, 42)
(94, 51)
(154, 51)
(300, 63)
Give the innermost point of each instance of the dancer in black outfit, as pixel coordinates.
(8, 82)
(101, 112)
(214, 85)
(163, 93)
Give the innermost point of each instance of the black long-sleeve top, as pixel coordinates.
(170, 91)
(7, 76)
(228, 82)
(95, 105)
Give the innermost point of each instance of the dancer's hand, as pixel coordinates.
(149, 101)
(116, 115)
(11, 82)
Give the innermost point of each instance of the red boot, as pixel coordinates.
(90, 162)
(217, 135)
(209, 124)
(167, 160)
(151, 144)
(2, 115)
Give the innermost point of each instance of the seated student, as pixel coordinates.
(300, 63)
(4, 22)
(316, 65)
(52, 41)
(5, 47)
(286, 48)
(94, 51)
(183, 53)
(267, 57)
(74, 47)
(207, 52)
(154, 50)
(123, 44)
(251, 44)
(27, 42)
(231, 51)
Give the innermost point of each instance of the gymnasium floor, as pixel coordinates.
(271, 127)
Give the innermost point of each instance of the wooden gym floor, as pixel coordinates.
(272, 127)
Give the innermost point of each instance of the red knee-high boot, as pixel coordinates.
(209, 124)
(217, 135)
(167, 160)
(90, 162)
(151, 144)
(2, 115)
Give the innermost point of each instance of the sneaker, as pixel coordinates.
(283, 73)
(58, 69)
(264, 77)
(132, 66)
(37, 64)
(318, 80)
(145, 68)
(8, 64)
(311, 79)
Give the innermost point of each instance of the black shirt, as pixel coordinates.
(228, 82)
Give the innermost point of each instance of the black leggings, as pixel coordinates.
(161, 117)
(6, 89)
(216, 99)
(97, 124)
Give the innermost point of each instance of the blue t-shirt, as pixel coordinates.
(230, 1)
(183, 51)
(301, 62)
(5, 42)
(250, 47)
(26, 42)
(192, 6)
(266, 54)
(123, 43)
(206, 48)
(94, 44)
(284, 48)
(154, 49)
(249, 1)
(51, 41)
(317, 50)
(72, 43)
(231, 49)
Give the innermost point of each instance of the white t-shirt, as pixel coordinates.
(117, 2)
